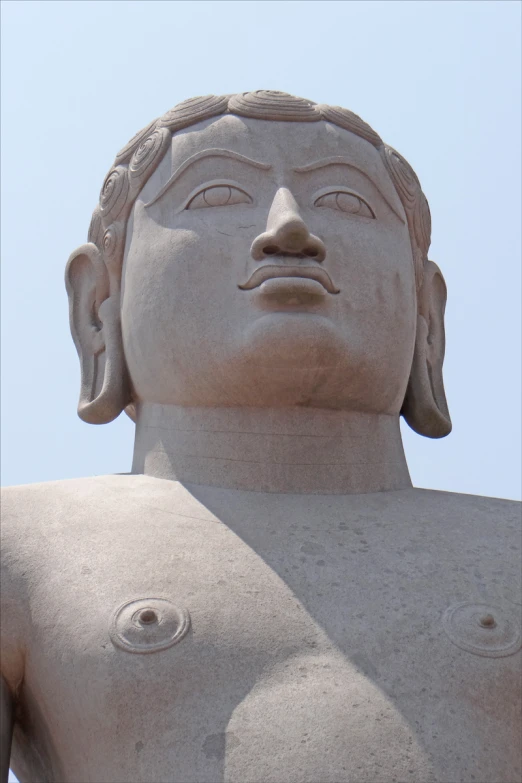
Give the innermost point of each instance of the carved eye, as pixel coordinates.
(346, 202)
(218, 196)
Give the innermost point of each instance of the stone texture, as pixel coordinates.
(317, 648)
(265, 598)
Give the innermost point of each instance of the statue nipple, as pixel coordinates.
(147, 625)
(487, 621)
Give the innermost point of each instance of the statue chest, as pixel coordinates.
(191, 652)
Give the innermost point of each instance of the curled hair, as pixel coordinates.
(139, 158)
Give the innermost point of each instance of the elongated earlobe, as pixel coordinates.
(425, 407)
(95, 326)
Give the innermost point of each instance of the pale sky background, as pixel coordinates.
(440, 81)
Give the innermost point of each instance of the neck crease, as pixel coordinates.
(290, 450)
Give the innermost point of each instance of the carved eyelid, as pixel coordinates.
(214, 183)
(342, 189)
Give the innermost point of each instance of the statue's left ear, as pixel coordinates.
(425, 407)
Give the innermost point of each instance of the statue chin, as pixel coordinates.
(298, 341)
(293, 360)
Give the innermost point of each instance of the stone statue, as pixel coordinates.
(264, 598)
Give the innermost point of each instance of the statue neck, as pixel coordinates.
(294, 450)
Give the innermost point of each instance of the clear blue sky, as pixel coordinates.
(440, 81)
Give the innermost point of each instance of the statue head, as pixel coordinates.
(260, 250)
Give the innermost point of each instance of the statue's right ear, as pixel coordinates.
(425, 407)
(94, 308)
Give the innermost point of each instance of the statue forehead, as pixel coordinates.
(246, 133)
(284, 144)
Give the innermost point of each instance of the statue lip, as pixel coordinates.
(271, 271)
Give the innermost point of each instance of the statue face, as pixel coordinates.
(269, 264)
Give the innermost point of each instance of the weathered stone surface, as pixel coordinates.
(265, 597)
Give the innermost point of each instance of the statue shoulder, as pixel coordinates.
(33, 518)
(36, 517)
(487, 528)
(485, 511)
(29, 509)
(32, 508)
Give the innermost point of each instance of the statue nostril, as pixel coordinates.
(311, 252)
(270, 250)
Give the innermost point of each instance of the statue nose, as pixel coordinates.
(286, 232)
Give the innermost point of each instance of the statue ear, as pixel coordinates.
(95, 325)
(425, 407)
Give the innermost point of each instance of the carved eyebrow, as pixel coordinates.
(210, 153)
(340, 159)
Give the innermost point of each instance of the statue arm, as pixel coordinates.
(12, 613)
(6, 729)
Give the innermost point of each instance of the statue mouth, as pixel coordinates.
(272, 271)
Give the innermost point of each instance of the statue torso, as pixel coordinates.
(318, 647)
